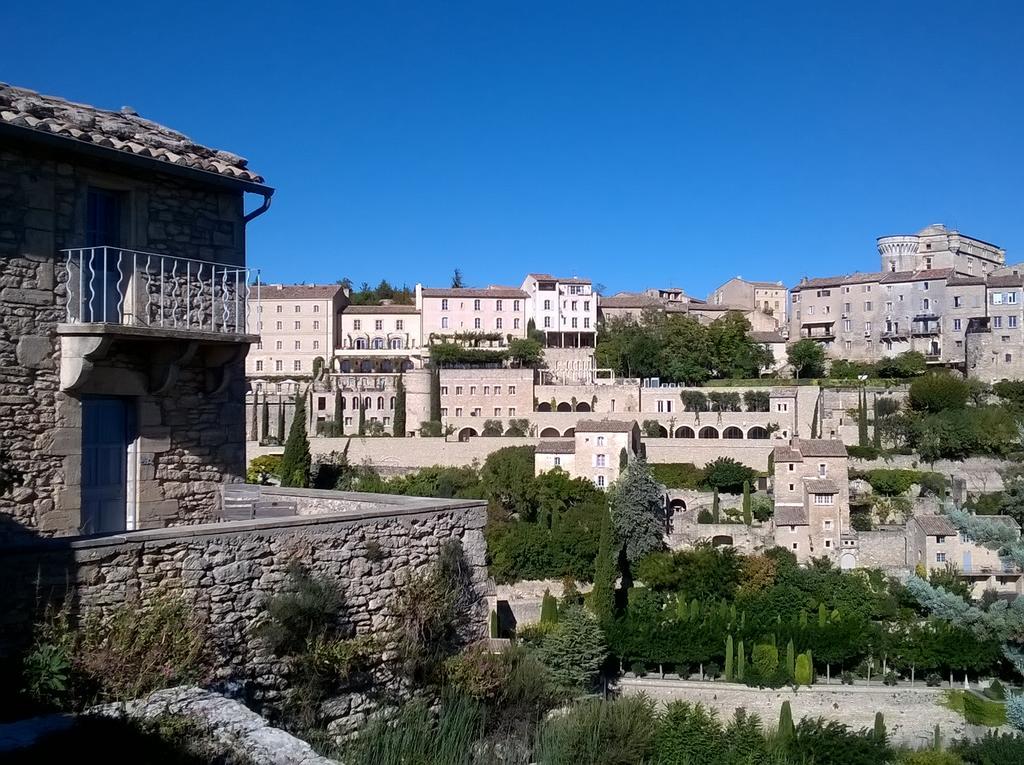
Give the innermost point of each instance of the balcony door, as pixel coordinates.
(108, 437)
(104, 287)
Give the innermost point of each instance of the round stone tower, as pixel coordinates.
(417, 398)
(898, 253)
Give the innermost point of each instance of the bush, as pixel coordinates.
(992, 749)
(975, 709)
(727, 475)
(863, 452)
(262, 469)
(938, 392)
(431, 429)
(891, 483)
(846, 678)
(575, 650)
(492, 428)
(599, 732)
(832, 743)
(705, 516)
(652, 429)
(689, 733)
(995, 691)
(933, 680)
(517, 428)
(861, 521)
(890, 678)
(678, 475)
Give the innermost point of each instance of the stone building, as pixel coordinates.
(595, 451)
(297, 324)
(123, 317)
(934, 543)
(470, 397)
(379, 338)
(769, 298)
(812, 497)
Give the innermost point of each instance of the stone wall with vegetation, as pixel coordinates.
(226, 573)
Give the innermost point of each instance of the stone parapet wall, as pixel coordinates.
(227, 571)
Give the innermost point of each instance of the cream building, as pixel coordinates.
(769, 298)
(812, 498)
(933, 542)
(297, 324)
(470, 397)
(595, 451)
(378, 338)
(496, 313)
(564, 309)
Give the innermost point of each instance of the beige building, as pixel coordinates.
(994, 342)
(564, 309)
(378, 338)
(491, 317)
(595, 451)
(769, 298)
(934, 543)
(470, 397)
(633, 305)
(812, 498)
(936, 247)
(297, 323)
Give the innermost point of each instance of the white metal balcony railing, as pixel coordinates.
(113, 285)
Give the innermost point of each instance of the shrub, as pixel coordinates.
(757, 400)
(762, 506)
(431, 429)
(933, 680)
(694, 400)
(863, 452)
(938, 392)
(832, 743)
(705, 516)
(492, 428)
(992, 749)
(846, 678)
(599, 733)
(995, 691)
(890, 678)
(517, 428)
(678, 475)
(262, 469)
(804, 669)
(861, 521)
(638, 668)
(575, 650)
(891, 483)
(728, 475)
(652, 429)
(975, 709)
(689, 733)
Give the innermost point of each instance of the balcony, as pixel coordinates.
(818, 330)
(112, 285)
(162, 311)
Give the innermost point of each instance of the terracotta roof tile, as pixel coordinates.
(605, 426)
(785, 454)
(790, 516)
(766, 337)
(471, 292)
(820, 447)
(838, 281)
(1006, 280)
(822, 486)
(359, 309)
(122, 131)
(567, 446)
(298, 291)
(935, 525)
(917, 276)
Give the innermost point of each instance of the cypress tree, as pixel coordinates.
(741, 661)
(748, 517)
(715, 506)
(398, 428)
(862, 417)
(876, 432)
(435, 394)
(494, 624)
(937, 739)
(602, 598)
(255, 423)
(362, 417)
(803, 674)
(265, 417)
(785, 732)
(790, 660)
(728, 659)
(280, 418)
(548, 609)
(814, 418)
(879, 730)
(339, 414)
(623, 459)
(296, 462)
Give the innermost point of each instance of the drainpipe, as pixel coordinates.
(266, 193)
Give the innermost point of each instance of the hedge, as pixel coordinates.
(678, 475)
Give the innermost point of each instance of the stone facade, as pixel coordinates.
(185, 393)
(228, 570)
(297, 324)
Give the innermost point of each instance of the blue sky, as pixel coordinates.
(635, 143)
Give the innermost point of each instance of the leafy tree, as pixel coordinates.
(517, 428)
(938, 392)
(906, 364)
(689, 733)
(398, 428)
(525, 352)
(1010, 393)
(362, 417)
(807, 358)
(757, 400)
(741, 662)
(716, 506)
(1012, 499)
(457, 282)
(280, 418)
(492, 428)
(638, 513)
(728, 475)
(261, 469)
(575, 650)
(862, 417)
(790, 660)
(296, 462)
(508, 475)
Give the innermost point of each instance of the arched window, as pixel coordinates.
(392, 402)
(378, 343)
(355, 402)
(757, 432)
(396, 343)
(732, 432)
(380, 402)
(707, 432)
(361, 343)
(367, 402)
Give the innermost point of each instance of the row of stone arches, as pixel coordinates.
(564, 406)
(553, 433)
(711, 432)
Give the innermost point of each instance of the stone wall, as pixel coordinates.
(228, 570)
(886, 550)
(43, 210)
(911, 714)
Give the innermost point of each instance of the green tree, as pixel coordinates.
(255, 412)
(602, 597)
(280, 418)
(548, 609)
(729, 653)
(728, 475)
(879, 731)
(804, 671)
(508, 477)
(339, 413)
(575, 650)
(638, 513)
(525, 352)
(741, 661)
(790, 660)
(937, 392)
(716, 506)
(785, 730)
(296, 462)
(398, 427)
(362, 416)
(876, 430)
(764, 660)
(265, 420)
(862, 417)
(807, 358)
(748, 517)
(623, 459)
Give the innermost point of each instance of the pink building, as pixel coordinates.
(497, 312)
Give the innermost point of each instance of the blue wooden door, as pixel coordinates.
(107, 429)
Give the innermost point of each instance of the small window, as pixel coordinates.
(399, 325)
(444, 304)
(316, 308)
(444, 322)
(298, 365)
(828, 543)
(601, 460)
(511, 390)
(278, 366)
(279, 326)
(600, 481)
(940, 557)
(298, 325)
(298, 309)
(600, 440)
(476, 305)
(278, 345)
(558, 461)
(476, 323)
(280, 309)
(259, 366)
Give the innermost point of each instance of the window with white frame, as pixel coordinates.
(458, 390)
(822, 470)
(278, 345)
(497, 323)
(458, 411)
(280, 309)
(558, 461)
(600, 460)
(600, 481)
(444, 304)
(497, 305)
(259, 366)
(547, 322)
(297, 366)
(511, 390)
(600, 440)
(940, 557)
(298, 325)
(824, 499)
(511, 411)
(279, 326)
(476, 305)
(444, 322)
(298, 345)
(476, 323)
(278, 366)
(497, 411)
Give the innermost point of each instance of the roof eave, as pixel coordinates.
(134, 160)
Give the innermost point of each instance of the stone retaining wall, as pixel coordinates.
(369, 544)
(911, 714)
